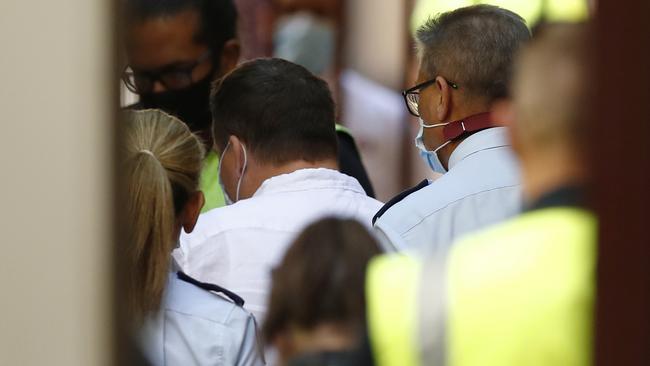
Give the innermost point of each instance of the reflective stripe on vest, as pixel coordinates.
(432, 315)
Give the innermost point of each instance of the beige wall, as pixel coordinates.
(54, 148)
(375, 40)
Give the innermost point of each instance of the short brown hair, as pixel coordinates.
(321, 278)
(474, 46)
(280, 110)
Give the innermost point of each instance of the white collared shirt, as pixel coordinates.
(482, 187)
(237, 246)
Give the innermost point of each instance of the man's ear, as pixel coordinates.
(443, 108)
(229, 56)
(236, 145)
(192, 210)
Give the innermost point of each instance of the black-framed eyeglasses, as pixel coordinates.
(172, 77)
(412, 95)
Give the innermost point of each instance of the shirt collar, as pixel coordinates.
(483, 140)
(565, 196)
(308, 179)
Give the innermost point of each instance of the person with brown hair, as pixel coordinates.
(175, 50)
(317, 305)
(274, 128)
(179, 321)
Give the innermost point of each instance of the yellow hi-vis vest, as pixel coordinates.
(209, 183)
(520, 293)
(531, 10)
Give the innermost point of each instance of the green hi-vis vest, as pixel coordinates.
(520, 293)
(209, 183)
(531, 10)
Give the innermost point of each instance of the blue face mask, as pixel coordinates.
(430, 157)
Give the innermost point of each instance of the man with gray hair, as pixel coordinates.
(466, 58)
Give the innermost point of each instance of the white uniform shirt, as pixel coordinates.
(237, 246)
(197, 327)
(482, 187)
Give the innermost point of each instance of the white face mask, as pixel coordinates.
(430, 157)
(226, 197)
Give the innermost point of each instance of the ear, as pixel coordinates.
(192, 210)
(229, 56)
(236, 145)
(443, 109)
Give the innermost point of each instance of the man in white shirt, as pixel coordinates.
(274, 128)
(465, 65)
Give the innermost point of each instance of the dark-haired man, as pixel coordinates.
(279, 170)
(465, 65)
(175, 50)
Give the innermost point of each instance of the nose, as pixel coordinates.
(158, 87)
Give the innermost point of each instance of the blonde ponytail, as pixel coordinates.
(162, 169)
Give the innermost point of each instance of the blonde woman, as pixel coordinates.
(180, 320)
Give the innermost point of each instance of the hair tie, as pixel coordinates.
(148, 152)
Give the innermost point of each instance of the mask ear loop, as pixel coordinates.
(419, 141)
(223, 153)
(433, 125)
(242, 172)
(441, 146)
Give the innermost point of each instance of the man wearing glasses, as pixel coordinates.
(465, 65)
(175, 49)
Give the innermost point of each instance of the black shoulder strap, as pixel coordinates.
(211, 287)
(395, 200)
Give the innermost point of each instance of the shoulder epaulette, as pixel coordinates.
(395, 200)
(212, 287)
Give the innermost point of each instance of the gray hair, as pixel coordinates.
(474, 47)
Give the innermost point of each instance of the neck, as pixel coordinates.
(256, 174)
(543, 173)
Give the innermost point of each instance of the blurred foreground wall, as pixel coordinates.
(55, 144)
